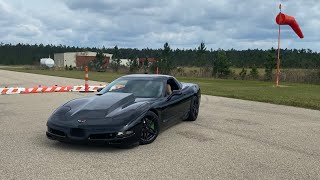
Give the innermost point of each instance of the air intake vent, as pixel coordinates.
(76, 132)
(102, 136)
(57, 132)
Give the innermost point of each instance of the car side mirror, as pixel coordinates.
(174, 93)
(99, 89)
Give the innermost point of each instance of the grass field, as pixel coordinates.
(235, 70)
(292, 94)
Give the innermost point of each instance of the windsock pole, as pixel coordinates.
(157, 71)
(278, 63)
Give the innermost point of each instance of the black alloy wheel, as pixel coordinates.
(194, 109)
(150, 128)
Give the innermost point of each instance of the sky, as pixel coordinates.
(184, 24)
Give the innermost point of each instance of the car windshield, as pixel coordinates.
(140, 88)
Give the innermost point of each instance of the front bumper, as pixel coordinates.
(92, 136)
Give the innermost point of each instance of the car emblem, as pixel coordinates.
(82, 121)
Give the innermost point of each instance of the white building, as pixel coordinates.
(124, 62)
(71, 58)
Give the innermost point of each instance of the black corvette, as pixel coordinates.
(131, 109)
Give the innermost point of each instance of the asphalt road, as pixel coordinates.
(232, 139)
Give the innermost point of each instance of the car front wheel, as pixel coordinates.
(150, 128)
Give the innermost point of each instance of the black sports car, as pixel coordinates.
(131, 109)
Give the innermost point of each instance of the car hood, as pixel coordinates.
(107, 109)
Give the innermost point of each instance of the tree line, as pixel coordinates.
(28, 54)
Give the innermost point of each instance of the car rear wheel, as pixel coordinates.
(194, 109)
(150, 128)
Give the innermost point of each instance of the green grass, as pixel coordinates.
(236, 70)
(292, 94)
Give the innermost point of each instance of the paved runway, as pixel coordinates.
(232, 139)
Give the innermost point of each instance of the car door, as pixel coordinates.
(173, 106)
(185, 100)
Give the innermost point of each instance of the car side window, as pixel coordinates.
(171, 86)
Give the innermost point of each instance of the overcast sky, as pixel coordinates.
(238, 24)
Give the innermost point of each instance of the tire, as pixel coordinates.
(150, 128)
(194, 109)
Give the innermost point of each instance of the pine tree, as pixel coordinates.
(145, 64)
(165, 63)
(221, 64)
(270, 64)
(98, 62)
(115, 65)
(243, 73)
(254, 72)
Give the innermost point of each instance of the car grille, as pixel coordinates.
(77, 132)
(102, 136)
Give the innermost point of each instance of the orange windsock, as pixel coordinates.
(283, 19)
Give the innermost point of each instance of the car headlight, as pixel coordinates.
(124, 134)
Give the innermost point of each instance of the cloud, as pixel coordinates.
(26, 30)
(146, 23)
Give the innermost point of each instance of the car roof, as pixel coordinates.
(147, 76)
